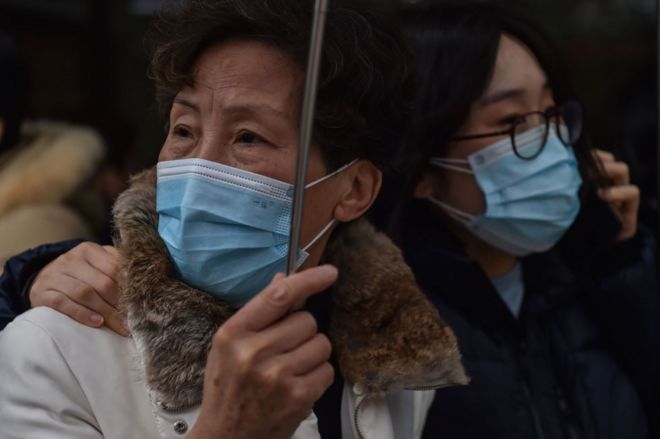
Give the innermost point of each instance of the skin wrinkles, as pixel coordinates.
(242, 111)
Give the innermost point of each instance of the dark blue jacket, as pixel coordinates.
(19, 273)
(582, 361)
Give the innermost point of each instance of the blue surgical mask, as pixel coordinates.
(226, 230)
(530, 204)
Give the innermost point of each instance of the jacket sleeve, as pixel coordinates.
(19, 273)
(625, 300)
(40, 395)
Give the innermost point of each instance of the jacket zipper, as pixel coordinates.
(535, 413)
(430, 387)
(179, 409)
(355, 419)
(356, 414)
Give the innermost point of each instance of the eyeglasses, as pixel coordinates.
(566, 118)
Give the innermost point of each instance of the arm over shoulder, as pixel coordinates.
(19, 273)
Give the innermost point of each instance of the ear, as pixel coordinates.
(424, 188)
(364, 183)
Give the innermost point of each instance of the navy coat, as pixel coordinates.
(582, 361)
(19, 273)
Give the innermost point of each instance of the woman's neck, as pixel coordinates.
(494, 262)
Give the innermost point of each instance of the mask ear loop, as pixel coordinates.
(332, 174)
(458, 215)
(319, 235)
(304, 250)
(332, 221)
(452, 165)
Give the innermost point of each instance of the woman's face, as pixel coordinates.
(243, 110)
(518, 86)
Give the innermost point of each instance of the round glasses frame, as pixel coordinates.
(569, 114)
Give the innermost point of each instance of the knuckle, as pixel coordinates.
(107, 285)
(222, 337)
(325, 347)
(280, 293)
(84, 293)
(300, 396)
(55, 301)
(271, 377)
(308, 322)
(327, 375)
(244, 359)
(63, 258)
(84, 248)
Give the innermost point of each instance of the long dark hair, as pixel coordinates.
(456, 46)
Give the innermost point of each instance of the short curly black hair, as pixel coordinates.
(367, 86)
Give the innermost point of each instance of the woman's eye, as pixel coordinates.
(182, 132)
(510, 120)
(248, 137)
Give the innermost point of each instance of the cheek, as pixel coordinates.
(462, 192)
(320, 202)
(166, 154)
(175, 150)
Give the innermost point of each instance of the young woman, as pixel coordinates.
(559, 337)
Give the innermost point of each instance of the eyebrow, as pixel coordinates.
(186, 103)
(236, 109)
(504, 95)
(254, 108)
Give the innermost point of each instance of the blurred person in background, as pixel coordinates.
(526, 240)
(44, 168)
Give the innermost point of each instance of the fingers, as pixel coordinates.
(287, 334)
(617, 171)
(279, 297)
(103, 259)
(310, 355)
(112, 250)
(625, 200)
(314, 384)
(86, 277)
(104, 286)
(83, 294)
(603, 156)
(60, 302)
(620, 194)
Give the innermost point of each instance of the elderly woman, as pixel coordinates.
(215, 349)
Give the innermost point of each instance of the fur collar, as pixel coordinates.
(52, 162)
(386, 334)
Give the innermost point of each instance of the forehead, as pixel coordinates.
(247, 70)
(516, 67)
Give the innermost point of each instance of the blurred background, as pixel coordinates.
(87, 64)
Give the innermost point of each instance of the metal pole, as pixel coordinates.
(306, 129)
(657, 60)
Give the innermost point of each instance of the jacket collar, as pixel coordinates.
(385, 333)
